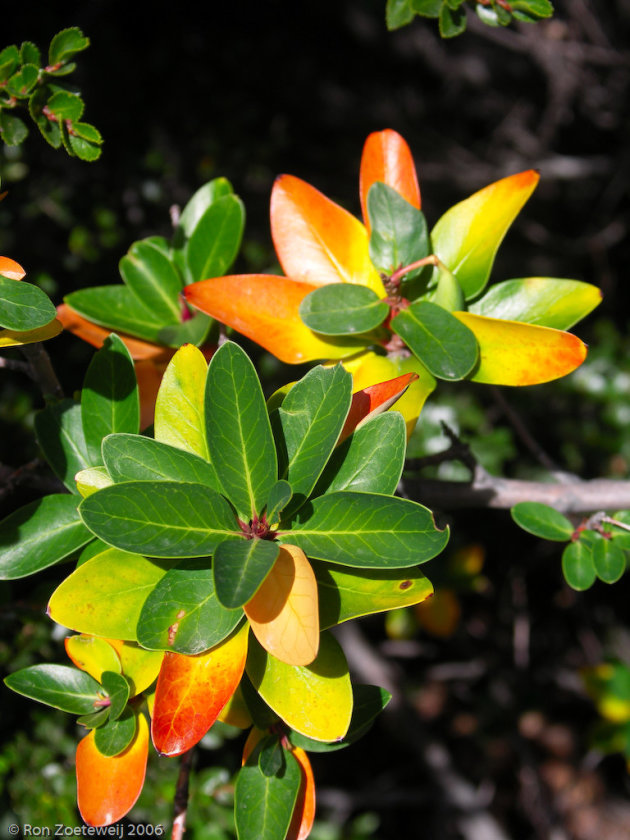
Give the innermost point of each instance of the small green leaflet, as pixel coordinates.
(117, 688)
(152, 277)
(542, 521)
(59, 686)
(609, 560)
(23, 306)
(343, 309)
(399, 234)
(577, 566)
(240, 566)
(116, 735)
(279, 496)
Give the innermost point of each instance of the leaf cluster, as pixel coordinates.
(451, 14)
(56, 108)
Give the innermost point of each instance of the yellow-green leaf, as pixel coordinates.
(179, 408)
(92, 654)
(14, 338)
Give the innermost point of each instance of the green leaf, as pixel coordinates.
(399, 234)
(452, 22)
(216, 238)
(546, 301)
(9, 62)
(39, 535)
(310, 420)
(93, 479)
(427, 8)
(59, 431)
(365, 530)
(542, 521)
(240, 566)
(238, 430)
(271, 756)
(104, 596)
(371, 460)
(137, 458)
(85, 141)
(609, 560)
(443, 344)
(530, 10)
(279, 497)
(263, 805)
(65, 44)
(152, 277)
(192, 331)
(49, 129)
(160, 518)
(448, 293)
(183, 613)
(22, 83)
(197, 206)
(577, 566)
(94, 720)
(116, 735)
(117, 308)
(65, 106)
(343, 309)
(398, 13)
(369, 701)
(179, 408)
(29, 53)
(118, 690)
(12, 129)
(23, 306)
(345, 594)
(109, 400)
(59, 686)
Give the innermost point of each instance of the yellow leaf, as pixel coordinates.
(179, 408)
(140, 666)
(92, 654)
(284, 611)
(14, 338)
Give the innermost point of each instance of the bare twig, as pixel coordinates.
(181, 796)
(519, 426)
(42, 370)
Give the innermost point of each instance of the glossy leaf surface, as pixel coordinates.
(104, 596)
(521, 354)
(40, 534)
(197, 205)
(117, 308)
(316, 240)
(283, 613)
(609, 560)
(11, 269)
(387, 158)
(304, 810)
(109, 399)
(115, 735)
(59, 431)
(192, 690)
(216, 238)
(264, 804)
(117, 689)
(370, 460)
(107, 787)
(136, 458)
(93, 479)
(59, 686)
(436, 337)
(367, 402)
(240, 566)
(542, 521)
(92, 654)
(183, 613)
(279, 496)
(343, 309)
(265, 308)
(346, 594)
(578, 566)
(316, 699)
(399, 230)
(160, 518)
(366, 530)
(96, 336)
(150, 274)
(23, 306)
(139, 666)
(179, 408)
(239, 433)
(546, 301)
(310, 419)
(467, 236)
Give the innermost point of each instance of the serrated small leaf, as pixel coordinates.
(398, 13)
(65, 105)
(59, 686)
(343, 309)
(29, 53)
(434, 336)
(65, 44)
(12, 129)
(49, 129)
(452, 21)
(577, 566)
(118, 690)
(22, 83)
(24, 306)
(427, 8)
(9, 61)
(240, 566)
(542, 521)
(84, 148)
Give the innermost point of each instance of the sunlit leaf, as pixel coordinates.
(59, 686)
(118, 309)
(116, 735)
(93, 479)
(264, 804)
(304, 810)
(108, 786)
(96, 336)
(284, 611)
(151, 275)
(387, 158)
(399, 230)
(92, 654)
(10, 268)
(316, 699)
(240, 566)
(139, 666)
(216, 238)
(373, 400)
(22, 305)
(343, 309)
(316, 240)
(192, 690)
(179, 408)
(14, 338)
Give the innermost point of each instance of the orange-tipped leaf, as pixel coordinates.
(304, 811)
(9, 268)
(373, 400)
(387, 158)
(284, 613)
(316, 240)
(108, 786)
(192, 690)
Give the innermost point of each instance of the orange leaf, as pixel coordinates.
(316, 240)
(513, 353)
(387, 158)
(374, 400)
(9, 268)
(304, 811)
(284, 612)
(440, 614)
(192, 690)
(149, 374)
(95, 335)
(108, 786)
(264, 307)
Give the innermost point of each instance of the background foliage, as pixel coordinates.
(499, 719)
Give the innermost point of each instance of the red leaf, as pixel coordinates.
(373, 400)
